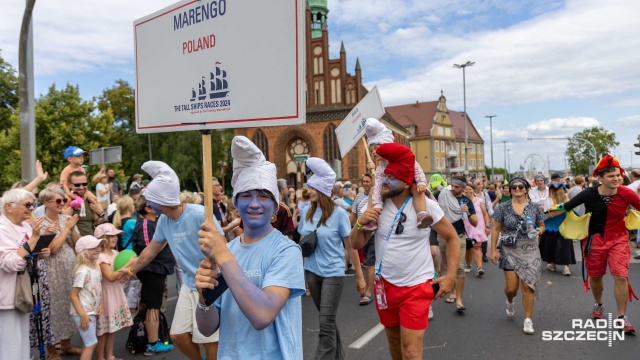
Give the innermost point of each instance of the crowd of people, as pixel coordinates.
(241, 278)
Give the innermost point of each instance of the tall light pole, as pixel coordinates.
(508, 161)
(504, 142)
(25, 95)
(491, 136)
(464, 95)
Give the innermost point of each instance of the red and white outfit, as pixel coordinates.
(407, 266)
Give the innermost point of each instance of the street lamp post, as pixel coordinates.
(464, 95)
(508, 161)
(504, 142)
(25, 94)
(491, 137)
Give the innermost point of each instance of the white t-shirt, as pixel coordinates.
(406, 261)
(634, 185)
(539, 196)
(90, 282)
(106, 196)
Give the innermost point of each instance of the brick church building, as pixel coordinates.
(433, 132)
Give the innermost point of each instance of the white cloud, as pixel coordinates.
(629, 121)
(561, 126)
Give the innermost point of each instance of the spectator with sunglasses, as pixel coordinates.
(87, 212)
(59, 266)
(324, 268)
(75, 157)
(404, 266)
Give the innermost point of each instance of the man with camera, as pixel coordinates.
(404, 272)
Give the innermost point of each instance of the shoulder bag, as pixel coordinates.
(308, 242)
(575, 227)
(23, 299)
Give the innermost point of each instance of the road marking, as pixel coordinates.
(368, 336)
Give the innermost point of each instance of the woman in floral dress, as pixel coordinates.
(60, 270)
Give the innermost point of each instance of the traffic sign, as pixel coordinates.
(105, 155)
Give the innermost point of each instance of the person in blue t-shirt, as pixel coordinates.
(325, 267)
(178, 226)
(260, 315)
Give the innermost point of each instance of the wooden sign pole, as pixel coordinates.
(366, 149)
(207, 173)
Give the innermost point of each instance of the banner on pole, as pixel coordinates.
(352, 127)
(219, 64)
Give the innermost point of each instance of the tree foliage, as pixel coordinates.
(580, 154)
(8, 93)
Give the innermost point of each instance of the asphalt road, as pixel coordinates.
(482, 332)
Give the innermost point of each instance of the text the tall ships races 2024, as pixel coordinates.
(205, 11)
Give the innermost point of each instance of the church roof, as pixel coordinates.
(421, 115)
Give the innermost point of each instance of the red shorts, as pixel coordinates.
(612, 249)
(408, 306)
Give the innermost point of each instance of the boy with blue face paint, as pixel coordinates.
(178, 227)
(260, 315)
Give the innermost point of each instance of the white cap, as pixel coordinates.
(377, 133)
(251, 170)
(164, 189)
(88, 242)
(323, 177)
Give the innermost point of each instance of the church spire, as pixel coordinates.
(319, 11)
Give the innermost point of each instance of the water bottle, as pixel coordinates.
(464, 214)
(531, 228)
(381, 295)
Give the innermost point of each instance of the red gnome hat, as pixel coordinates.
(401, 163)
(607, 161)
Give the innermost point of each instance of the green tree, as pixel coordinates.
(8, 93)
(580, 154)
(62, 119)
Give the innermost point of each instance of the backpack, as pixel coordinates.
(119, 245)
(137, 340)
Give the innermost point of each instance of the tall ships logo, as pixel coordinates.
(211, 98)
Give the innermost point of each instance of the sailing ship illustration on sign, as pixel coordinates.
(218, 85)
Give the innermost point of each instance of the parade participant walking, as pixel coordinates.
(515, 248)
(555, 249)
(457, 208)
(478, 233)
(608, 240)
(369, 248)
(378, 134)
(540, 192)
(260, 315)
(324, 268)
(404, 267)
(178, 226)
(481, 193)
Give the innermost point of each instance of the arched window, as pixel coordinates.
(260, 139)
(331, 151)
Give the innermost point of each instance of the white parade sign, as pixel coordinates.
(215, 64)
(352, 127)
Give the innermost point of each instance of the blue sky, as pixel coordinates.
(545, 67)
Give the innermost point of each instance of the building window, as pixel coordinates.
(473, 148)
(473, 164)
(353, 164)
(330, 142)
(440, 130)
(480, 149)
(442, 146)
(447, 131)
(458, 147)
(464, 162)
(438, 163)
(261, 142)
(336, 91)
(444, 164)
(437, 146)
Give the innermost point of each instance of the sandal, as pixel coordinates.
(365, 300)
(307, 293)
(451, 300)
(460, 307)
(71, 351)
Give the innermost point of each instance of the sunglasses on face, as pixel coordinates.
(400, 227)
(27, 205)
(80, 185)
(60, 201)
(519, 187)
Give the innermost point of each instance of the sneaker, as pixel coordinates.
(158, 347)
(566, 271)
(551, 267)
(467, 268)
(628, 328)
(511, 308)
(370, 226)
(431, 313)
(480, 272)
(424, 220)
(528, 326)
(597, 312)
(484, 258)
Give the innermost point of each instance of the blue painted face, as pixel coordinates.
(157, 208)
(391, 182)
(255, 208)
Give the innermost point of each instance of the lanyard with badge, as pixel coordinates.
(378, 284)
